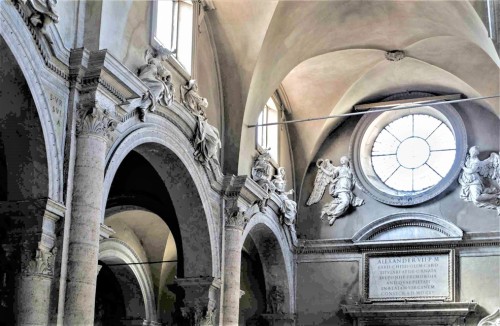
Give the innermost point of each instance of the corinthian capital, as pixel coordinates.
(95, 121)
(236, 218)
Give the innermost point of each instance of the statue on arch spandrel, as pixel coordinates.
(340, 180)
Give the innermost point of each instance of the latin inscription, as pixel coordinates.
(408, 276)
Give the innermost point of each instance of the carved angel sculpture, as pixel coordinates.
(480, 180)
(206, 141)
(341, 181)
(262, 170)
(288, 207)
(158, 80)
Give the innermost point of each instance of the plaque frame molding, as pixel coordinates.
(451, 275)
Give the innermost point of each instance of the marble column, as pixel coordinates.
(235, 221)
(93, 126)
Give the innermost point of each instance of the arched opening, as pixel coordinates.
(153, 205)
(24, 179)
(266, 274)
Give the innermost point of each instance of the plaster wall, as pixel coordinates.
(322, 287)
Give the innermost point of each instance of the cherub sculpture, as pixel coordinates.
(480, 180)
(341, 181)
(206, 141)
(288, 207)
(158, 80)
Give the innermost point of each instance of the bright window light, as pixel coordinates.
(413, 153)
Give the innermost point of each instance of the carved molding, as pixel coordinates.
(94, 121)
(399, 220)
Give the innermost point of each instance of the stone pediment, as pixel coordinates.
(408, 226)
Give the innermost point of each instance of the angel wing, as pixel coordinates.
(490, 168)
(322, 180)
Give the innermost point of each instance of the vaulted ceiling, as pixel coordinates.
(330, 55)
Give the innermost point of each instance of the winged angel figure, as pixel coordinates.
(480, 180)
(341, 181)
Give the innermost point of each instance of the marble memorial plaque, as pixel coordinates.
(419, 276)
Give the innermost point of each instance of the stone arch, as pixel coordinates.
(23, 47)
(191, 201)
(114, 251)
(273, 247)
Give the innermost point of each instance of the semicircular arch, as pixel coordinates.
(114, 251)
(275, 253)
(171, 155)
(21, 44)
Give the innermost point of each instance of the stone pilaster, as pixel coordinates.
(34, 281)
(92, 128)
(200, 300)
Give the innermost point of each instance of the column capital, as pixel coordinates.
(235, 217)
(40, 265)
(200, 302)
(93, 120)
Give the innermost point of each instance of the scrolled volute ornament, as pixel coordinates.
(94, 121)
(341, 181)
(480, 180)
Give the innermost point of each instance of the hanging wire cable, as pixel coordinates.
(143, 263)
(395, 108)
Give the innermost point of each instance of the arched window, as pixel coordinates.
(173, 29)
(267, 136)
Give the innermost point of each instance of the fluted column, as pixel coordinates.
(235, 221)
(93, 126)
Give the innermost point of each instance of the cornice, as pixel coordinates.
(328, 246)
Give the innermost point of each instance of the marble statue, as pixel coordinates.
(42, 14)
(341, 182)
(288, 207)
(480, 180)
(158, 79)
(206, 141)
(262, 170)
(491, 320)
(275, 301)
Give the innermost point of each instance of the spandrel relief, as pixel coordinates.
(158, 80)
(340, 180)
(480, 180)
(288, 206)
(206, 140)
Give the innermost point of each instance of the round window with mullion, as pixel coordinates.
(413, 153)
(407, 157)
